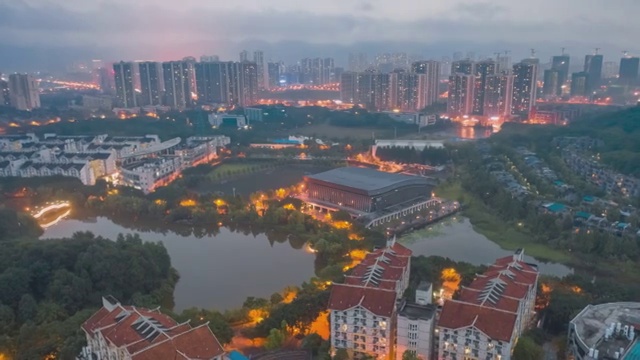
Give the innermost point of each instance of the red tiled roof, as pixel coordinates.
(172, 340)
(496, 324)
(357, 281)
(390, 265)
(503, 303)
(92, 322)
(196, 343)
(388, 272)
(124, 334)
(512, 289)
(401, 250)
(522, 277)
(378, 301)
(391, 260)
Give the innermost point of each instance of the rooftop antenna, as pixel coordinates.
(597, 49)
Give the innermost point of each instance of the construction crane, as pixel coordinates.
(597, 49)
(563, 51)
(533, 53)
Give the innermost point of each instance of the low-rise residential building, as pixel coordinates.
(491, 313)
(145, 162)
(363, 308)
(599, 175)
(415, 325)
(118, 332)
(151, 173)
(103, 164)
(82, 171)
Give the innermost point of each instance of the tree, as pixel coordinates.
(276, 298)
(527, 349)
(312, 342)
(275, 340)
(27, 308)
(217, 323)
(409, 355)
(341, 354)
(7, 318)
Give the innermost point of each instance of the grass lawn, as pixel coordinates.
(509, 237)
(224, 170)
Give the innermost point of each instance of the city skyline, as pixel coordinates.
(327, 29)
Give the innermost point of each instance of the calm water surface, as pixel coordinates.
(216, 272)
(221, 271)
(455, 238)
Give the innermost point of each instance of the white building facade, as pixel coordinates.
(491, 313)
(363, 309)
(415, 324)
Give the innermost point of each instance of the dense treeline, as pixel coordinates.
(618, 131)
(48, 288)
(405, 155)
(564, 298)
(15, 225)
(554, 231)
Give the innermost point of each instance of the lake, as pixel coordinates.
(220, 272)
(216, 272)
(456, 239)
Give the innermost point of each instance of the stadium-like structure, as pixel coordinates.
(364, 190)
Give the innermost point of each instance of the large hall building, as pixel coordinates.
(363, 190)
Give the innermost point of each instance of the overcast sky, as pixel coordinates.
(172, 29)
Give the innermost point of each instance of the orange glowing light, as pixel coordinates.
(281, 193)
(320, 325)
(450, 282)
(341, 225)
(356, 256)
(188, 203)
(289, 295)
(257, 315)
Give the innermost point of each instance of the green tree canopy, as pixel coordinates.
(527, 349)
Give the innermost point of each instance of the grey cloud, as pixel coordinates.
(480, 10)
(136, 30)
(366, 7)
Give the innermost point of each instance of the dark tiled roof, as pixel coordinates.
(369, 181)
